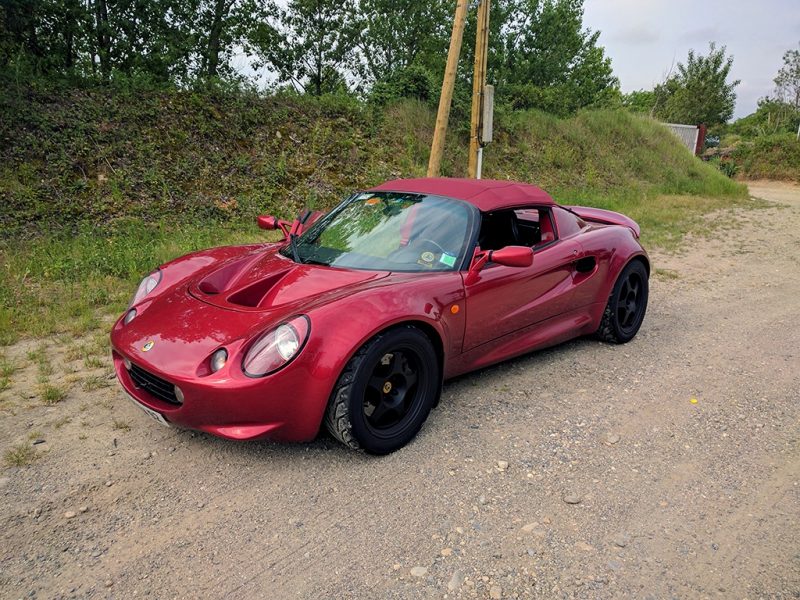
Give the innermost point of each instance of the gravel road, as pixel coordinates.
(665, 468)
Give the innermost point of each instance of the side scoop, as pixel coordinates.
(606, 217)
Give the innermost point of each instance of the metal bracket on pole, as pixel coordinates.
(479, 89)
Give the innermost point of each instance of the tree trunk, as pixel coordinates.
(214, 34)
(103, 30)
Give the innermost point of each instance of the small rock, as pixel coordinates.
(614, 565)
(495, 592)
(83, 509)
(530, 527)
(546, 521)
(419, 571)
(96, 554)
(38, 441)
(108, 583)
(502, 465)
(146, 456)
(37, 512)
(572, 499)
(172, 448)
(202, 505)
(109, 483)
(621, 540)
(482, 500)
(396, 566)
(447, 551)
(456, 581)
(70, 514)
(611, 439)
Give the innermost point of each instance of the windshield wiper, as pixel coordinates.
(293, 246)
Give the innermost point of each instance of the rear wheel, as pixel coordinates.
(626, 305)
(385, 392)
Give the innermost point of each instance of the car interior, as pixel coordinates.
(520, 227)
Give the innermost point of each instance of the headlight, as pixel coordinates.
(276, 348)
(148, 284)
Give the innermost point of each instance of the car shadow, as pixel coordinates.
(327, 448)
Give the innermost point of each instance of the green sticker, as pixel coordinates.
(447, 259)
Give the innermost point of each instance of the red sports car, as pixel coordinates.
(357, 317)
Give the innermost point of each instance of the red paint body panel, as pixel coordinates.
(228, 297)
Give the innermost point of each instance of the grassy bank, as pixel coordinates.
(769, 157)
(97, 188)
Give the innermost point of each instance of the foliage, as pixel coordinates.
(787, 82)
(640, 101)
(542, 57)
(163, 41)
(699, 92)
(308, 46)
(412, 82)
(771, 117)
(774, 156)
(397, 35)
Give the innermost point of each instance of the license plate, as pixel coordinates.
(149, 412)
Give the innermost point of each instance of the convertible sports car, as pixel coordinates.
(357, 317)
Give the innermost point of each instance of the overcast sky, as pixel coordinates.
(644, 37)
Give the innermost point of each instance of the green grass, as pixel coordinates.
(66, 283)
(176, 171)
(20, 455)
(95, 382)
(7, 369)
(52, 394)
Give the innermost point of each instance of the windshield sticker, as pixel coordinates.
(428, 257)
(447, 259)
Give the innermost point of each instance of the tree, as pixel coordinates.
(544, 58)
(309, 44)
(640, 101)
(787, 83)
(699, 92)
(393, 35)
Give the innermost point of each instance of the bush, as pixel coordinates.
(769, 157)
(414, 83)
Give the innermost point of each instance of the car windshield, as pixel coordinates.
(389, 231)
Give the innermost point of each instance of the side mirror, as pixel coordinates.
(512, 256)
(268, 222)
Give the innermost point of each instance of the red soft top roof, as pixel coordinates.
(486, 194)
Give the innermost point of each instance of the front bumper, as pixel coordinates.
(285, 406)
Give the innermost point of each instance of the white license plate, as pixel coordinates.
(149, 412)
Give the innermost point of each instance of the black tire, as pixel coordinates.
(385, 392)
(626, 306)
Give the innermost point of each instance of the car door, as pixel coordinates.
(502, 300)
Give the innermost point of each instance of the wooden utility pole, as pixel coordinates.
(446, 99)
(478, 86)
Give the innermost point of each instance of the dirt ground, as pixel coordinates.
(665, 468)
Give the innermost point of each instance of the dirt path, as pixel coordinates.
(675, 498)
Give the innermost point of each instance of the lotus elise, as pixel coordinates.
(357, 317)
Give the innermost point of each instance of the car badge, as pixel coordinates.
(148, 346)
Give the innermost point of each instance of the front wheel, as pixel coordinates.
(385, 392)
(626, 305)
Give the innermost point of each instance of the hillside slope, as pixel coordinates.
(92, 155)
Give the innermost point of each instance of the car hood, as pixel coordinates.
(266, 281)
(228, 303)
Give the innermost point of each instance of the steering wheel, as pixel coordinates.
(435, 243)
